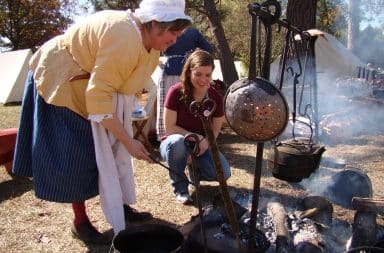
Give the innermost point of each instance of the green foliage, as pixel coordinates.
(237, 27)
(29, 23)
(115, 4)
(331, 17)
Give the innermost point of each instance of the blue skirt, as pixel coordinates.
(55, 146)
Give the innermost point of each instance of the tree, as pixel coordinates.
(331, 17)
(226, 57)
(115, 4)
(28, 24)
(353, 24)
(357, 12)
(208, 11)
(302, 14)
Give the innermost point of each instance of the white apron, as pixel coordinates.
(116, 179)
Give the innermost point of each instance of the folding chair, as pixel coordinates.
(140, 124)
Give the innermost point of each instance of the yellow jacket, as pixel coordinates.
(106, 45)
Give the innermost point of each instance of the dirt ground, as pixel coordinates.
(28, 224)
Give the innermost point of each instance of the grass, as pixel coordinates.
(9, 116)
(28, 224)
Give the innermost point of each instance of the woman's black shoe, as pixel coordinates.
(132, 215)
(89, 234)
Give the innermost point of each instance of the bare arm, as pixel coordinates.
(170, 118)
(217, 123)
(134, 147)
(216, 127)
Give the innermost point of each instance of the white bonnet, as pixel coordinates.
(161, 10)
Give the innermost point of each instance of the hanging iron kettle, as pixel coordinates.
(294, 159)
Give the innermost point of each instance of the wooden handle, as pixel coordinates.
(368, 205)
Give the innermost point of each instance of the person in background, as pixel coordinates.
(195, 85)
(73, 137)
(175, 58)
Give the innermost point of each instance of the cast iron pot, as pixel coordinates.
(294, 159)
(149, 238)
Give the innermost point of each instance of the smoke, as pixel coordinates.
(339, 103)
(347, 109)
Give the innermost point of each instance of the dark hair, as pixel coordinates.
(197, 58)
(176, 25)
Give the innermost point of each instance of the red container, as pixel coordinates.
(7, 147)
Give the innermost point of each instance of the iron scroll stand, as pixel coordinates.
(262, 12)
(204, 110)
(268, 13)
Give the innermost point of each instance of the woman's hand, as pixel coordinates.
(137, 150)
(133, 146)
(203, 145)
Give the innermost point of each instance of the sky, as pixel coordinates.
(82, 13)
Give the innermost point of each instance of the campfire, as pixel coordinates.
(305, 227)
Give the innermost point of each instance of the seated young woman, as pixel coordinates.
(195, 85)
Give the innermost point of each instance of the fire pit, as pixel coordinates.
(218, 232)
(220, 239)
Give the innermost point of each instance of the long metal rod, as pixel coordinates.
(230, 210)
(255, 197)
(266, 19)
(204, 111)
(199, 204)
(283, 60)
(196, 178)
(182, 175)
(252, 61)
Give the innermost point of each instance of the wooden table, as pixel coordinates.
(139, 123)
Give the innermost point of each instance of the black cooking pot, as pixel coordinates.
(294, 159)
(148, 238)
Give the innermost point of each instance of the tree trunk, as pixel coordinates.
(226, 59)
(302, 13)
(353, 24)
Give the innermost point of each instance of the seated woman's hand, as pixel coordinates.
(203, 146)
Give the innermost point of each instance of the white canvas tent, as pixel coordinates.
(217, 73)
(13, 73)
(333, 60)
